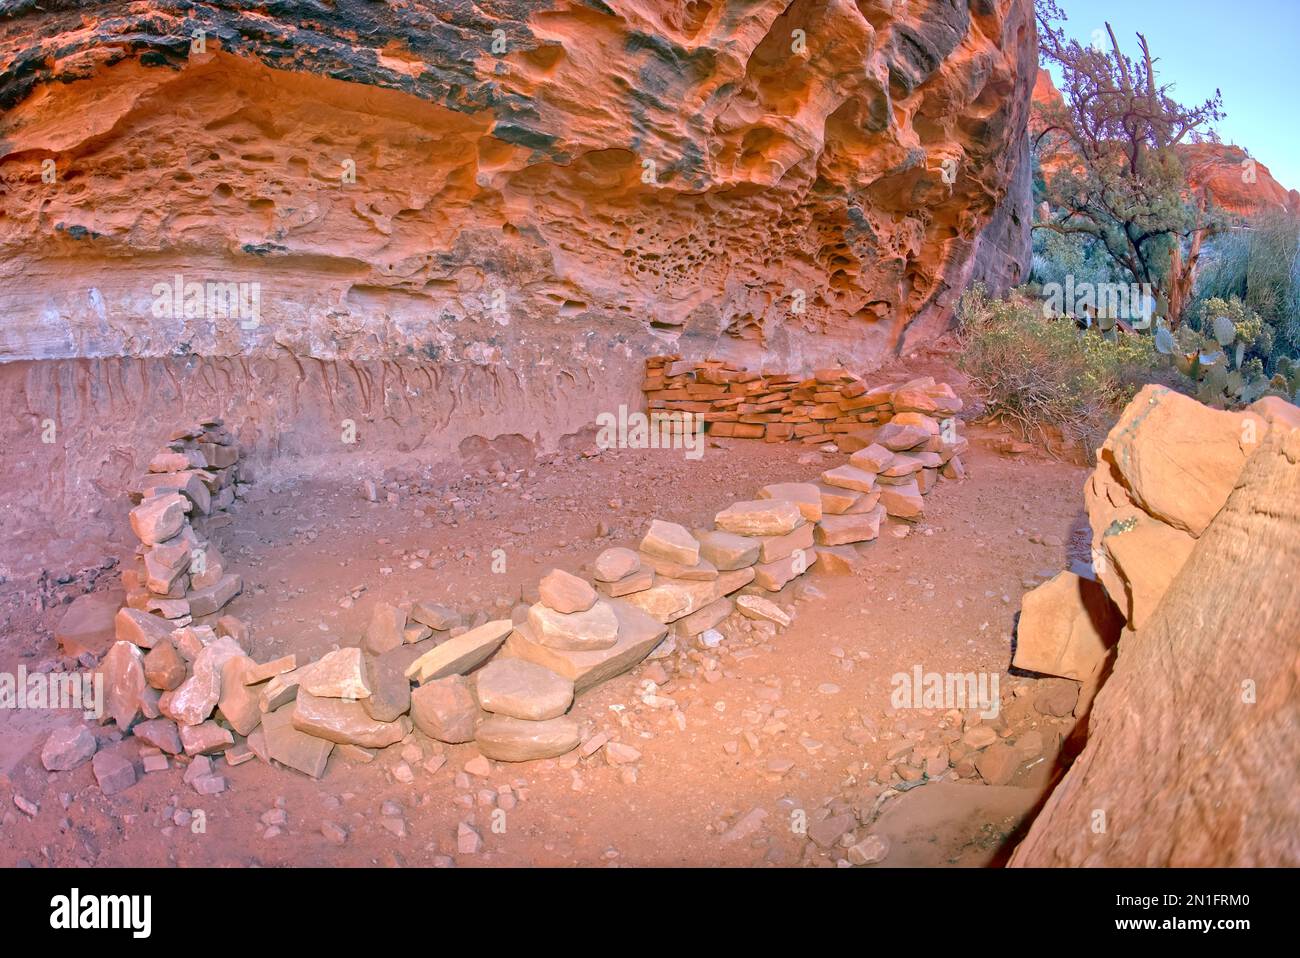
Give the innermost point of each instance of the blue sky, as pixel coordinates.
(1248, 49)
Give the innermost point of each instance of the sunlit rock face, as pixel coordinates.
(448, 220)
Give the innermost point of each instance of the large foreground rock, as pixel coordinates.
(68, 747)
(1180, 458)
(1067, 626)
(1192, 748)
(445, 709)
(90, 624)
(285, 744)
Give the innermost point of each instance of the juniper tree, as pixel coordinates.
(1116, 176)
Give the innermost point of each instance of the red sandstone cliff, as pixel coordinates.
(544, 194)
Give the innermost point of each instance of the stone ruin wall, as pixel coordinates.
(499, 271)
(179, 676)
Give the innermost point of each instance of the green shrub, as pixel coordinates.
(1038, 372)
(1057, 257)
(1258, 265)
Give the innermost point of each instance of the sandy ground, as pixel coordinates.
(815, 698)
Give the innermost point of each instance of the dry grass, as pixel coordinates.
(1044, 375)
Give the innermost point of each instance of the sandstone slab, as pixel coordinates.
(760, 517)
(638, 635)
(160, 733)
(506, 739)
(344, 722)
(637, 581)
(523, 690)
(703, 619)
(780, 547)
(874, 458)
(701, 571)
(773, 576)
(903, 501)
(565, 593)
(285, 744)
(596, 628)
(213, 598)
(159, 518)
(113, 771)
(239, 703)
(1147, 555)
(384, 632)
(1067, 626)
(845, 529)
(615, 564)
(67, 748)
(390, 689)
(460, 654)
(764, 610)
(726, 551)
(340, 674)
(140, 628)
(805, 495)
(440, 618)
(1179, 458)
(668, 540)
(90, 624)
(124, 682)
(851, 478)
(206, 738)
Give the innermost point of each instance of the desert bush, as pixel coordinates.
(1058, 256)
(1258, 266)
(1044, 374)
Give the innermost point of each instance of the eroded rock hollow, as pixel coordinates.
(450, 223)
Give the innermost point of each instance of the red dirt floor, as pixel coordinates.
(943, 597)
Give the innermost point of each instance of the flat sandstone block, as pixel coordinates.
(638, 634)
(506, 739)
(1067, 626)
(345, 723)
(523, 690)
(462, 653)
(760, 517)
(805, 495)
(727, 551)
(292, 748)
(668, 540)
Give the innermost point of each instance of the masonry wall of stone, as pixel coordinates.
(178, 677)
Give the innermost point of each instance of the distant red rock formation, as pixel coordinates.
(1217, 169)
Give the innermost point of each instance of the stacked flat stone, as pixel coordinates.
(177, 664)
(832, 406)
(178, 573)
(508, 685)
